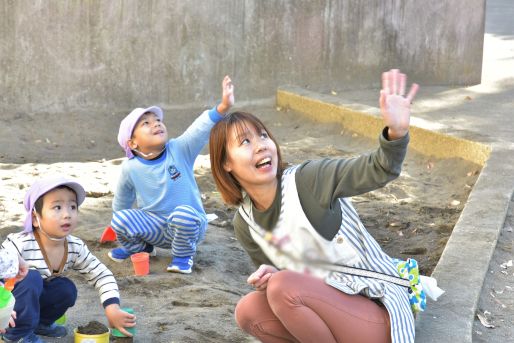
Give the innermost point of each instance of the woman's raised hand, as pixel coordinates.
(394, 105)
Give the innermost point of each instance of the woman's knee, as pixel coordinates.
(243, 311)
(250, 308)
(281, 282)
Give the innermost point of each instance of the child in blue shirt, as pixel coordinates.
(158, 176)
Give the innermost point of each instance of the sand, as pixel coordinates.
(411, 217)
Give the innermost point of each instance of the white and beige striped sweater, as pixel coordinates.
(79, 259)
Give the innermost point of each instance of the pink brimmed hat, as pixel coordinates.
(128, 123)
(41, 187)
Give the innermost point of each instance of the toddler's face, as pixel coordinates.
(59, 213)
(149, 133)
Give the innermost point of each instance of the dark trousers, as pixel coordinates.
(40, 302)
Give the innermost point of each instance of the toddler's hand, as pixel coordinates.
(120, 319)
(227, 98)
(11, 322)
(259, 278)
(23, 269)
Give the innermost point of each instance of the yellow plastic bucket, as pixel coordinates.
(101, 338)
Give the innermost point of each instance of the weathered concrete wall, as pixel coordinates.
(59, 56)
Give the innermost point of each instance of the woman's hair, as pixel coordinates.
(38, 205)
(230, 189)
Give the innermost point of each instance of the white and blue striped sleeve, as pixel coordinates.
(96, 273)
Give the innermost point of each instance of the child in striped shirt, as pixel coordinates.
(49, 249)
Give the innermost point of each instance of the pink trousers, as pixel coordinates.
(300, 308)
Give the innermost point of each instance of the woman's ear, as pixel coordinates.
(227, 167)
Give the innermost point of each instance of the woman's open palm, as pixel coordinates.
(394, 105)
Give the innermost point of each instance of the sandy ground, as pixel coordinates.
(411, 217)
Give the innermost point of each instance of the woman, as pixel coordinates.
(299, 227)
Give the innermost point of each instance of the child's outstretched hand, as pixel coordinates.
(259, 278)
(120, 319)
(227, 98)
(394, 105)
(11, 322)
(23, 269)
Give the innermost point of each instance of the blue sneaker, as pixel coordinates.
(30, 338)
(121, 254)
(182, 265)
(52, 330)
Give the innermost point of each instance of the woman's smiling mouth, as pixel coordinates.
(263, 163)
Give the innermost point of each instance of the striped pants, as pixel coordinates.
(180, 232)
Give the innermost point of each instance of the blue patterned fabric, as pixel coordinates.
(409, 270)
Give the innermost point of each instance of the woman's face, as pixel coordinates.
(251, 157)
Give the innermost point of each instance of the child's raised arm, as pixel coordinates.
(394, 105)
(227, 97)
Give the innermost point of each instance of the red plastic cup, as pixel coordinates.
(141, 263)
(109, 235)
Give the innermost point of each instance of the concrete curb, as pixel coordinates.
(465, 260)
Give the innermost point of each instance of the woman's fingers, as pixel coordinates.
(251, 279)
(412, 93)
(256, 275)
(395, 83)
(402, 80)
(263, 282)
(382, 100)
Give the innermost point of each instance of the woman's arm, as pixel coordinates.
(326, 180)
(243, 235)
(329, 179)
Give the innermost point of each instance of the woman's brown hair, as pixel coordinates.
(227, 185)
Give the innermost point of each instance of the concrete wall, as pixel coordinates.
(59, 56)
